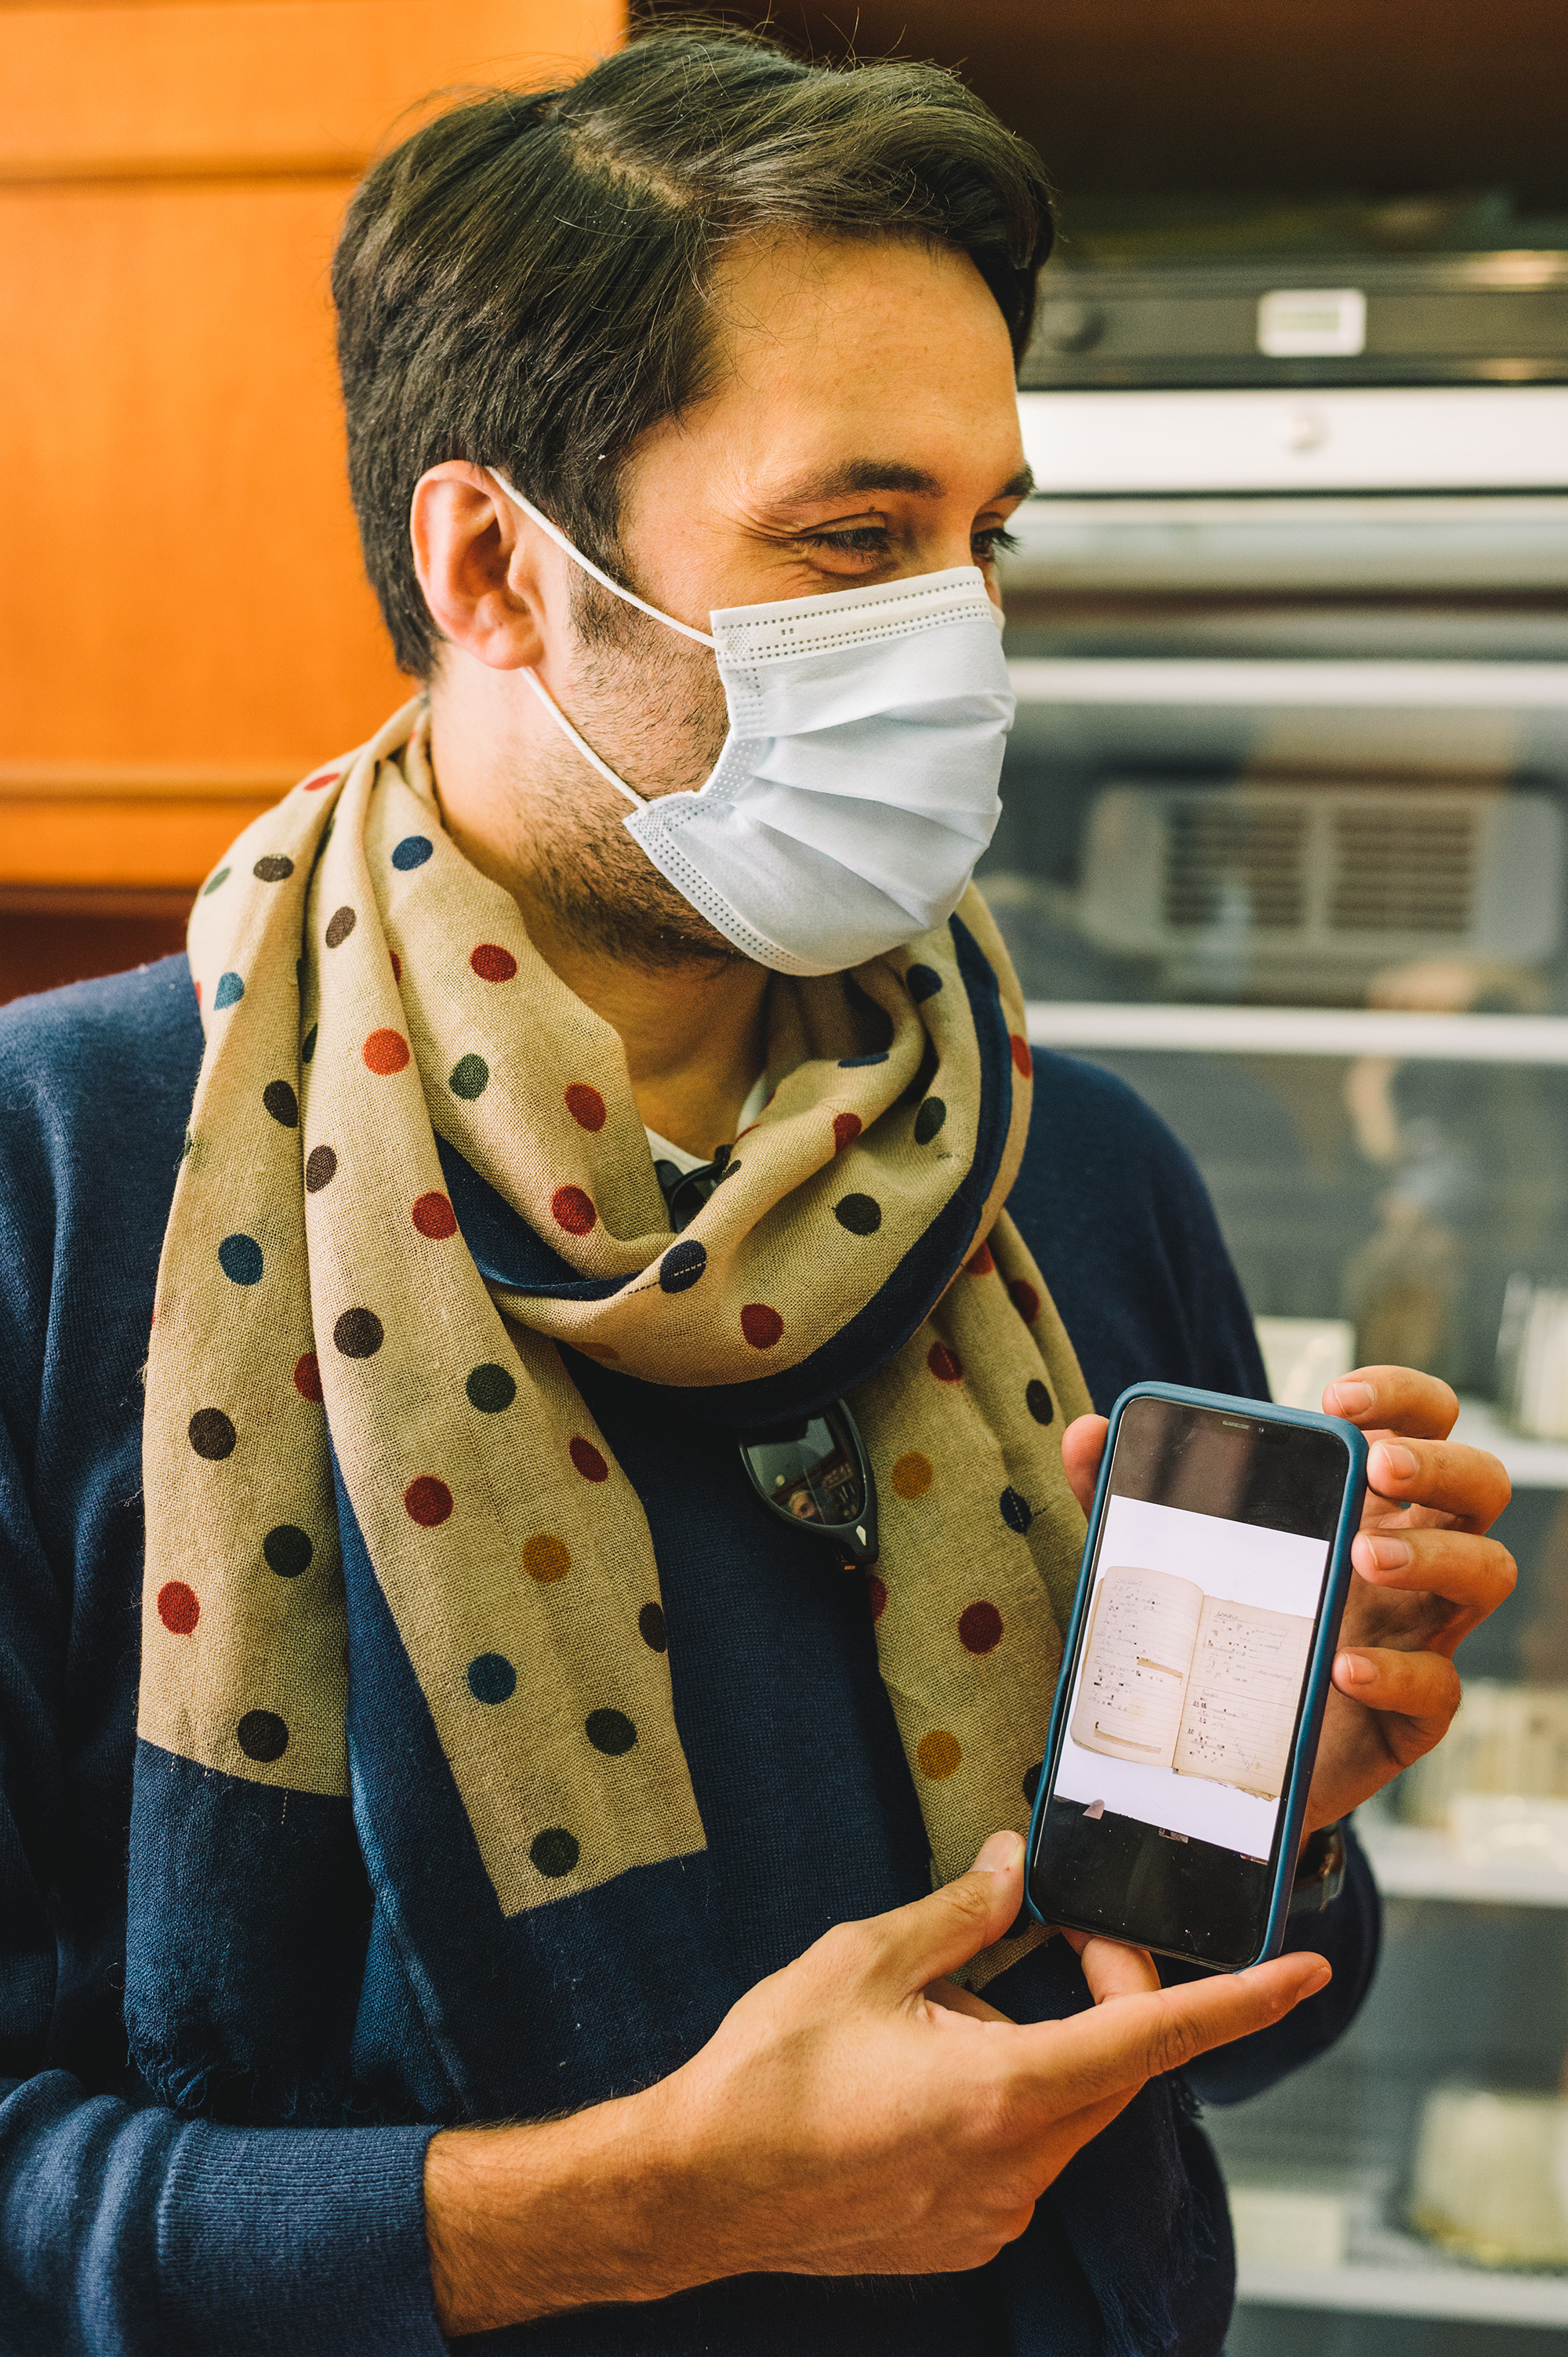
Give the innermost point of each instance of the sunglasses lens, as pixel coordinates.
(809, 1470)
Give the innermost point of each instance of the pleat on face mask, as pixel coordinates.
(856, 788)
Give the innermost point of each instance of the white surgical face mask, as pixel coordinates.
(857, 786)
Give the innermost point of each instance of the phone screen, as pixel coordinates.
(1209, 1578)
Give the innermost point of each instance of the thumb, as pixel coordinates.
(917, 1944)
(1083, 1446)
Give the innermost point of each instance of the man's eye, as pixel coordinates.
(866, 540)
(992, 543)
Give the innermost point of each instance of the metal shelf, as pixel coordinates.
(1418, 1862)
(1475, 2294)
(1394, 685)
(1386, 2270)
(1529, 1464)
(1299, 1031)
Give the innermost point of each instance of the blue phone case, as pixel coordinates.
(1336, 1582)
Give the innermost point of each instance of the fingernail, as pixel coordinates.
(1352, 1399)
(1001, 1854)
(1399, 1462)
(1355, 1669)
(1389, 1554)
(1318, 1980)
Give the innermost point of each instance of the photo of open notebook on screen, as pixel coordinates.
(1174, 1678)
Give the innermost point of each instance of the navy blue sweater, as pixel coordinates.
(128, 2232)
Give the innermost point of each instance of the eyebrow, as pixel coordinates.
(885, 475)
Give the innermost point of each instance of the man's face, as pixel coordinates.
(863, 427)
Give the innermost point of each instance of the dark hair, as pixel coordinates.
(522, 283)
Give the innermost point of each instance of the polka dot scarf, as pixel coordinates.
(326, 1343)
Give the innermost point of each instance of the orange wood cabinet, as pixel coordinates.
(184, 627)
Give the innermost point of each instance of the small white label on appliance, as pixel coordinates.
(1313, 322)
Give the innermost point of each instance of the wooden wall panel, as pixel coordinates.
(193, 589)
(292, 85)
(184, 627)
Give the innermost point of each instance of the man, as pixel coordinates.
(503, 1756)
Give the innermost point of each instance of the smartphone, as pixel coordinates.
(1197, 1667)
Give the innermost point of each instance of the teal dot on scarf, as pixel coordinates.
(212, 887)
(240, 1258)
(229, 989)
(924, 982)
(681, 1265)
(1016, 1511)
(1038, 1401)
(928, 1120)
(411, 851)
(470, 1077)
(309, 1048)
(492, 1678)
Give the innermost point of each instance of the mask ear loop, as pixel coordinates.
(554, 532)
(586, 750)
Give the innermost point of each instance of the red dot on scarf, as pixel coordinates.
(428, 1500)
(385, 1051)
(761, 1326)
(945, 1364)
(327, 777)
(177, 1608)
(587, 1460)
(1021, 1056)
(1025, 1299)
(307, 1377)
(876, 1590)
(397, 965)
(979, 1628)
(847, 1127)
(586, 1106)
(982, 1263)
(434, 1216)
(492, 962)
(573, 1211)
(199, 994)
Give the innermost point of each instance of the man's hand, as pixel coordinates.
(856, 2113)
(1424, 1575)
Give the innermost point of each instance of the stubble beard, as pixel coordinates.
(653, 708)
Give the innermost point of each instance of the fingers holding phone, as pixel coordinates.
(858, 2113)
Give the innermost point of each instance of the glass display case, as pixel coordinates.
(1284, 845)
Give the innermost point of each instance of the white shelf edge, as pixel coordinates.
(1418, 1862)
(1299, 1031)
(1392, 684)
(1529, 1464)
(1463, 2293)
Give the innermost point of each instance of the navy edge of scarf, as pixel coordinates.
(342, 1960)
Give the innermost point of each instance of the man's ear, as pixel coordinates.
(487, 572)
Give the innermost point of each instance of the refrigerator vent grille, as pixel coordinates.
(1283, 874)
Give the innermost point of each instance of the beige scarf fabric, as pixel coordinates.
(363, 988)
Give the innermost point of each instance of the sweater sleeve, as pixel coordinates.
(132, 2233)
(126, 2230)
